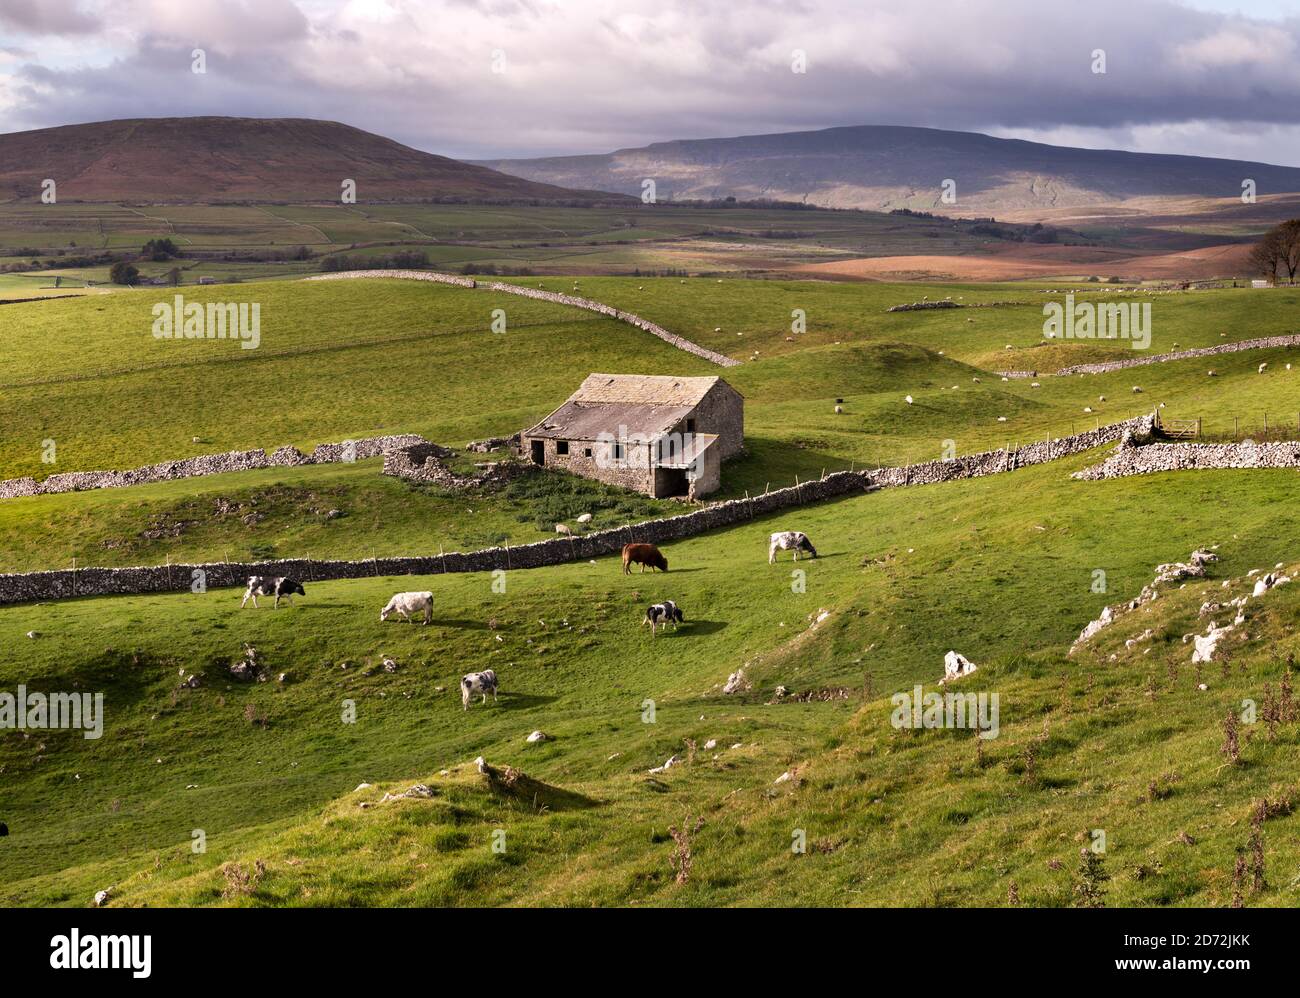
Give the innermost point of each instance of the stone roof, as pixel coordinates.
(585, 421)
(643, 389)
(640, 405)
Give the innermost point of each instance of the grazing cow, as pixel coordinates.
(789, 540)
(261, 586)
(643, 554)
(476, 684)
(407, 604)
(663, 614)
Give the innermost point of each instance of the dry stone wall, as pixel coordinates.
(1188, 456)
(62, 584)
(208, 464)
(1104, 367)
(574, 301)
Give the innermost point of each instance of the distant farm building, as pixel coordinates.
(661, 435)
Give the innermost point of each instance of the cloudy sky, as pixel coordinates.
(486, 78)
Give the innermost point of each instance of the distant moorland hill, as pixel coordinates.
(203, 159)
(886, 167)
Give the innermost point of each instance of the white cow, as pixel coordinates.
(789, 540)
(478, 683)
(407, 604)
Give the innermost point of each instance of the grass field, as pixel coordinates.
(357, 358)
(1002, 569)
(218, 240)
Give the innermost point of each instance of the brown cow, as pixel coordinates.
(643, 554)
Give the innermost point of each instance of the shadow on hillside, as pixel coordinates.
(522, 790)
(462, 624)
(821, 556)
(693, 628)
(518, 701)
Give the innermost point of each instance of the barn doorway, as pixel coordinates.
(539, 451)
(671, 482)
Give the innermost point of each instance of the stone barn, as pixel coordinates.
(661, 435)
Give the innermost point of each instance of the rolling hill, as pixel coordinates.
(205, 159)
(1126, 736)
(887, 167)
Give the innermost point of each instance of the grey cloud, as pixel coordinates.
(595, 77)
(48, 17)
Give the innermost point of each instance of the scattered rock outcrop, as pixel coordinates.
(956, 665)
(736, 683)
(1206, 644)
(1194, 567)
(249, 668)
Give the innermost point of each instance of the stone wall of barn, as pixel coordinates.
(722, 411)
(66, 583)
(633, 472)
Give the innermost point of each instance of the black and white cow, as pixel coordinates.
(478, 683)
(663, 614)
(789, 540)
(262, 586)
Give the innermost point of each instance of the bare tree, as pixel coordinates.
(1278, 250)
(1289, 247)
(1266, 254)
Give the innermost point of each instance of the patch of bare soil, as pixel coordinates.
(1020, 261)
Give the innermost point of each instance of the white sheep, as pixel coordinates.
(563, 528)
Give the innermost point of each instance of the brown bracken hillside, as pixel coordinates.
(211, 159)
